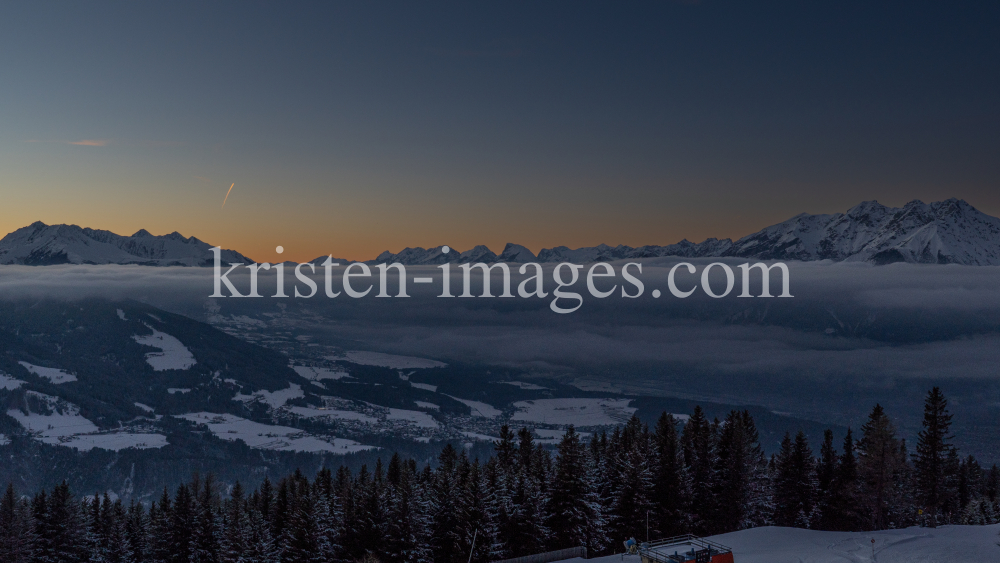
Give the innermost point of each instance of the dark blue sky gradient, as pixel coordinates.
(357, 127)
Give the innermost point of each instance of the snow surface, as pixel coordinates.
(65, 426)
(54, 375)
(388, 360)
(121, 315)
(172, 355)
(910, 545)
(273, 398)
(173, 390)
(146, 408)
(270, 437)
(8, 382)
(319, 374)
(116, 441)
(480, 437)
(39, 243)
(4, 440)
(578, 412)
(418, 418)
(425, 386)
(426, 405)
(479, 409)
(525, 386)
(311, 412)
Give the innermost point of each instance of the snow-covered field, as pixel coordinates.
(63, 420)
(578, 412)
(388, 360)
(172, 355)
(8, 382)
(54, 375)
(424, 386)
(418, 418)
(116, 441)
(958, 544)
(269, 436)
(65, 426)
(525, 386)
(479, 409)
(319, 374)
(273, 398)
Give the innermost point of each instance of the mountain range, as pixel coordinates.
(39, 244)
(945, 232)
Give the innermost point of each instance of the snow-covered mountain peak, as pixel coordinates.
(39, 244)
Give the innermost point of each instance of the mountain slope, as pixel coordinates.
(945, 232)
(40, 245)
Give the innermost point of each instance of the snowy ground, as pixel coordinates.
(63, 425)
(388, 360)
(526, 386)
(578, 412)
(172, 355)
(319, 374)
(269, 436)
(418, 418)
(959, 544)
(54, 375)
(8, 382)
(273, 398)
(480, 409)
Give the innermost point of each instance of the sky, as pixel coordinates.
(353, 128)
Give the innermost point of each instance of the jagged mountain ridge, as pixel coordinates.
(39, 244)
(945, 232)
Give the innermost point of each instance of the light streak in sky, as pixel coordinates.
(227, 195)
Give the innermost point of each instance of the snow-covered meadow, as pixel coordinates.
(270, 436)
(172, 355)
(771, 544)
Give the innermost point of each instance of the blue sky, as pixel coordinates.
(351, 128)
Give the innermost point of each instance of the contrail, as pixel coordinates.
(227, 195)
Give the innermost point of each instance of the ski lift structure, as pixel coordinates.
(685, 549)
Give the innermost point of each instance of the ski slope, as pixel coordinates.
(973, 544)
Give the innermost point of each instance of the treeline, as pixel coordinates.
(709, 477)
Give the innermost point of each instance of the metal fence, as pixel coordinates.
(549, 556)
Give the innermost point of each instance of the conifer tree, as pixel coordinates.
(699, 445)
(137, 533)
(160, 516)
(118, 549)
(182, 518)
(742, 487)
(16, 530)
(934, 469)
(879, 464)
(795, 483)
(575, 517)
(447, 506)
(235, 532)
(407, 523)
(841, 512)
(670, 490)
(205, 536)
(60, 527)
